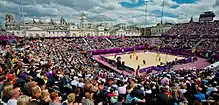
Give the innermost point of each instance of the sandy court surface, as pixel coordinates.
(149, 57)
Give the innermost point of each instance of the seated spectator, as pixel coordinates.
(56, 99)
(199, 96)
(6, 92)
(36, 93)
(45, 97)
(15, 93)
(23, 100)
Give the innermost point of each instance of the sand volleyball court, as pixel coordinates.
(149, 57)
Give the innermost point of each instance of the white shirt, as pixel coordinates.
(122, 90)
(182, 91)
(81, 85)
(74, 83)
(12, 102)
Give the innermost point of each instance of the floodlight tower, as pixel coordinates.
(161, 21)
(22, 17)
(3, 23)
(146, 11)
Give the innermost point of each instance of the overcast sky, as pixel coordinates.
(175, 11)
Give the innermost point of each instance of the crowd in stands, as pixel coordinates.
(195, 28)
(53, 72)
(121, 42)
(78, 43)
(2, 31)
(99, 43)
(211, 45)
(183, 43)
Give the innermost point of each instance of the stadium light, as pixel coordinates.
(146, 11)
(161, 21)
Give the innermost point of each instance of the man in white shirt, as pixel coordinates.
(81, 84)
(15, 93)
(122, 89)
(75, 82)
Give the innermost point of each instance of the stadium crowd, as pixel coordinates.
(99, 43)
(195, 28)
(55, 72)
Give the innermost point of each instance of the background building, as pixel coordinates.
(160, 29)
(64, 29)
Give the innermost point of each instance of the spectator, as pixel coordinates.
(15, 93)
(23, 100)
(56, 99)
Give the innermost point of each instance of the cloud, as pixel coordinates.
(217, 3)
(175, 11)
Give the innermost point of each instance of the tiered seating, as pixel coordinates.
(195, 28)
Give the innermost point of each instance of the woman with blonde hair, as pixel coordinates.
(88, 99)
(71, 100)
(45, 97)
(36, 93)
(6, 92)
(23, 100)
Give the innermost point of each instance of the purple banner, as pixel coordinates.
(117, 50)
(163, 67)
(10, 37)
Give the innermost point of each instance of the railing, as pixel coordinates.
(199, 42)
(86, 43)
(110, 42)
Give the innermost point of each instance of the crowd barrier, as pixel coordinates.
(164, 67)
(115, 50)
